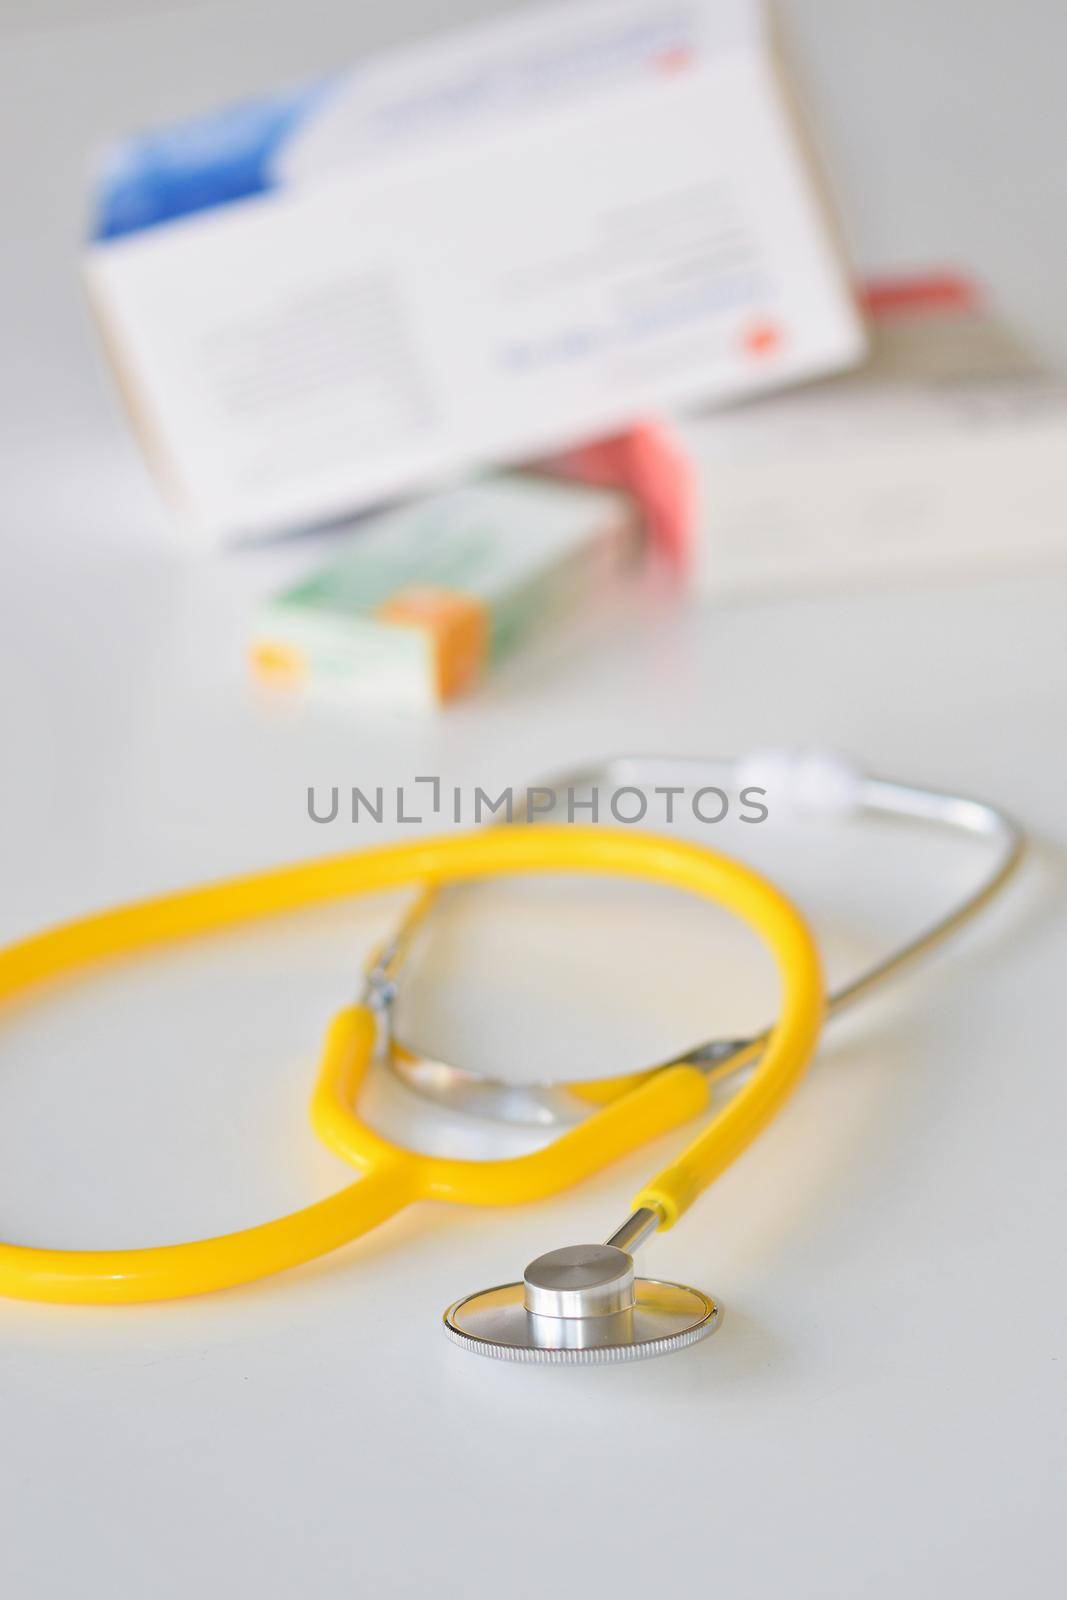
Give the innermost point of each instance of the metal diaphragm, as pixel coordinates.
(663, 1317)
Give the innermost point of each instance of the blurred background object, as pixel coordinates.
(426, 597)
(454, 255)
(509, 240)
(945, 454)
(916, 180)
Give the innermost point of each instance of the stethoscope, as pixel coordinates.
(582, 1303)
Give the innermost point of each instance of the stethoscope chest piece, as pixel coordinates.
(581, 1304)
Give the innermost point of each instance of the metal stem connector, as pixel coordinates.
(635, 1230)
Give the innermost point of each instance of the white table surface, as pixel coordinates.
(883, 1408)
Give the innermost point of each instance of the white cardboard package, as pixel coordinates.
(464, 253)
(946, 452)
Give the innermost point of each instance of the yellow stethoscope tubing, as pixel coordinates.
(393, 1176)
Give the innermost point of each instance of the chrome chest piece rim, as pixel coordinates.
(665, 1317)
(581, 1305)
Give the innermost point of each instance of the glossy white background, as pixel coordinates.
(882, 1409)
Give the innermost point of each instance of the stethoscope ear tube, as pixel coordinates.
(805, 783)
(394, 1177)
(789, 1048)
